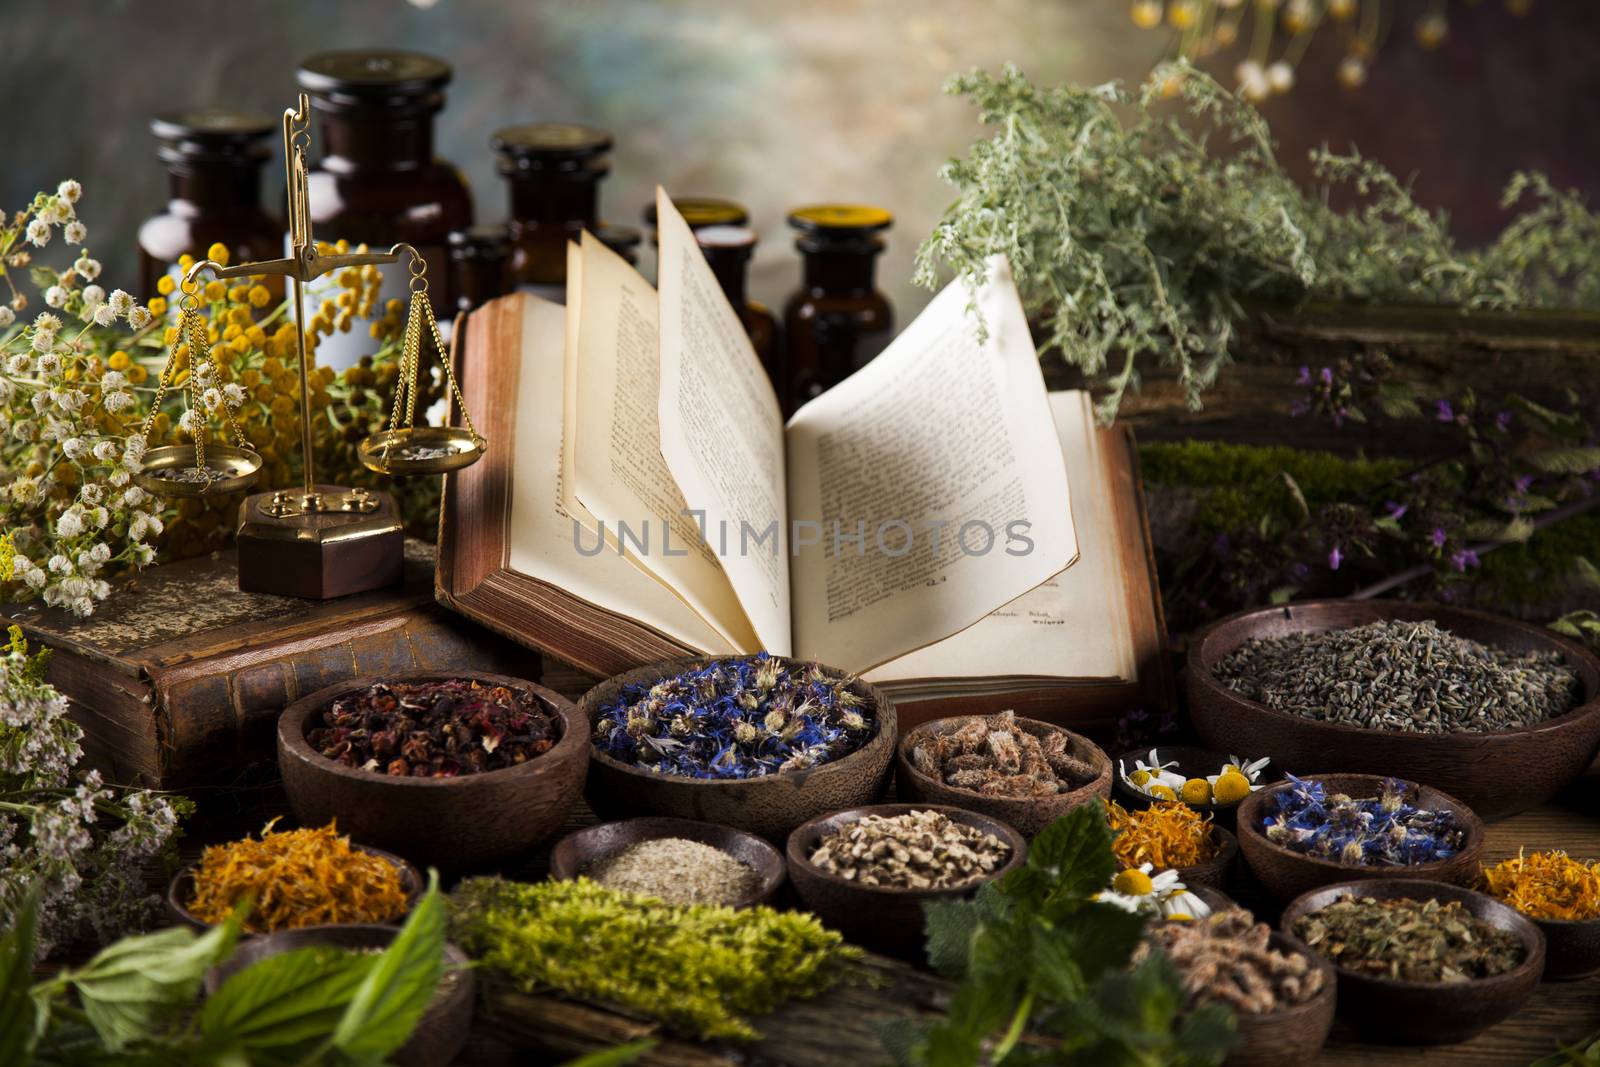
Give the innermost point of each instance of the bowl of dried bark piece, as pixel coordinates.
(866, 872)
(1024, 772)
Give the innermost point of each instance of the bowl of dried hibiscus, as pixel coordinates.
(448, 770)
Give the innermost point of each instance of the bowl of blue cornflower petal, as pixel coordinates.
(761, 743)
(1304, 833)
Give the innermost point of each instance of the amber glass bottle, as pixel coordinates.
(700, 212)
(554, 171)
(728, 250)
(378, 181)
(837, 320)
(214, 161)
(480, 265)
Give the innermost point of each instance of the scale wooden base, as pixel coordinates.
(331, 543)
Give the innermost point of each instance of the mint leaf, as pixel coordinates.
(285, 1003)
(18, 1016)
(130, 988)
(1071, 858)
(398, 988)
(1208, 1033)
(1070, 954)
(613, 1057)
(948, 930)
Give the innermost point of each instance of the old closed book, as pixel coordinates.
(937, 522)
(178, 678)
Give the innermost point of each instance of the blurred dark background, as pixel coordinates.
(773, 104)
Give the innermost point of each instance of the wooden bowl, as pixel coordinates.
(1286, 874)
(577, 852)
(769, 806)
(1192, 763)
(442, 1031)
(1028, 815)
(1429, 1013)
(1497, 773)
(883, 919)
(1293, 1034)
(463, 822)
(181, 890)
(1214, 871)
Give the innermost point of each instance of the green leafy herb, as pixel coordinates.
(1141, 239)
(1044, 972)
(136, 999)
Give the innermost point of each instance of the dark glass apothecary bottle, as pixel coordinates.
(623, 240)
(554, 171)
(728, 250)
(214, 160)
(700, 212)
(480, 265)
(377, 180)
(837, 320)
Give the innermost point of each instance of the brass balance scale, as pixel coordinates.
(322, 540)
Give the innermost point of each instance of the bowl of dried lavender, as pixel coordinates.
(449, 770)
(866, 872)
(442, 1031)
(1420, 963)
(678, 861)
(1282, 995)
(1500, 713)
(1023, 772)
(760, 743)
(1308, 832)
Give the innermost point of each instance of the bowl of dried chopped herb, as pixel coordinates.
(313, 876)
(1562, 897)
(447, 769)
(760, 743)
(1307, 832)
(443, 1029)
(680, 861)
(1420, 963)
(1282, 995)
(1023, 772)
(866, 872)
(1500, 713)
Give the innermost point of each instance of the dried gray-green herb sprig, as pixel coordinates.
(1136, 232)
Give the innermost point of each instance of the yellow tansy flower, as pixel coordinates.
(137, 374)
(119, 360)
(165, 285)
(216, 292)
(218, 253)
(157, 306)
(259, 296)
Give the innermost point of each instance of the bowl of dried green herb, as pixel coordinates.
(1420, 963)
(446, 1022)
(679, 861)
(867, 871)
(1500, 713)
(1303, 833)
(760, 743)
(1023, 772)
(448, 769)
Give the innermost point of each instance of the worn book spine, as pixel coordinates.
(206, 721)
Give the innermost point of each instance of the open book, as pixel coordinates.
(937, 522)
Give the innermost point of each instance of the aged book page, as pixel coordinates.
(539, 537)
(722, 429)
(927, 489)
(619, 474)
(1076, 624)
(569, 404)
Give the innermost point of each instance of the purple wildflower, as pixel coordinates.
(1463, 559)
(1326, 374)
(1445, 412)
(1305, 376)
(1334, 557)
(1396, 511)
(1439, 537)
(1502, 421)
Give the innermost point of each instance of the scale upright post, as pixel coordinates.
(324, 540)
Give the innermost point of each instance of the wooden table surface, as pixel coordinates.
(513, 1028)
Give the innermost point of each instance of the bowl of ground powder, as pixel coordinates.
(679, 861)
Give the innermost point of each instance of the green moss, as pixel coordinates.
(1245, 482)
(702, 969)
(1542, 566)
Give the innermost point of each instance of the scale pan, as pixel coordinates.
(420, 450)
(173, 470)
